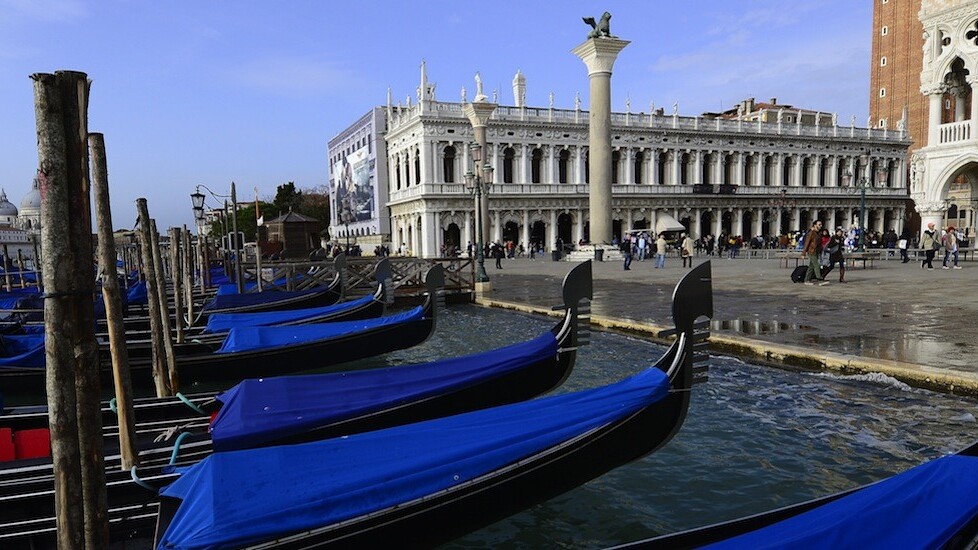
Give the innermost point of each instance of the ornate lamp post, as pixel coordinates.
(859, 185)
(478, 184)
(782, 203)
(346, 216)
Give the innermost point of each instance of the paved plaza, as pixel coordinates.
(897, 316)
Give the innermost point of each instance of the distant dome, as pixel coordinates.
(33, 199)
(6, 207)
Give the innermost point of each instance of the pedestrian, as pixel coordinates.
(498, 252)
(931, 244)
(904, 244)
(836, 247)
(812, 248)
(950, 247)
(686, 250)
(642, 243)
(660, 251)
(626, 250)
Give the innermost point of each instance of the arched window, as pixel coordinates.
(639, 162)
(508, 156)
(397, 170)
(587, 166)
(562, 164)
(615, 161)
(417, 167)
(448, 164)
(536, 165)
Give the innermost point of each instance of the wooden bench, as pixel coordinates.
(864, 257)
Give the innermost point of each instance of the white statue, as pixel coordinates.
(835, 119)
(551, 100)
(523, 98)
(853, 121)
(869, 121)
(798, 120)
(780, 115)
(652, 108)
(464, 100)
(628, 104)
(577, 101)
(495, 96)
(818, 118)
(675, 109)
(479, 95)
(926, 45)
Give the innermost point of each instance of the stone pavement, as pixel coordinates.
(896, 316)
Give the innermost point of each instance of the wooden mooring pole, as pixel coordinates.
(188, 281)
(160, 375)
(176, 276)
(112, 297)
(171, 363)
(71, 351)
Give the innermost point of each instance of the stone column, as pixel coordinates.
(676, 158)
(972, 80)
(934, 120)
(717, 222)
(553, 230)
(832, 178)
(738, 222)
(467, 236)
(523, 172)
(758, 220)
(796, 168)
(778, 221)
(525, 232)
(740, 176)
(778, 175)
(578, 177)
(497, 228)
(553, 165)
(698, 168)
(578, 227)
(653, 164)
(478, 113)
(599, 55)
(696, 228)
(760, 165)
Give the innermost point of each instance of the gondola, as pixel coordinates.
(252, 352)
(372, 399)
(264, 412)
(933, 505)
(430, 482)
(280, 300)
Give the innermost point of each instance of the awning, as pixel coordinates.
(665, 223)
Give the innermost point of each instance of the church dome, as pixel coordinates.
(6, 207)
(33, 199)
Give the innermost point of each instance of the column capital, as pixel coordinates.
(599, 54)
(478, 112)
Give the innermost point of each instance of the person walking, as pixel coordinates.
(498, 252)
(930, 243)
(950, 247)
(686, 250)
(904, 244)
(812, 249)
(836, 246)
(660, 251)
(626, 250)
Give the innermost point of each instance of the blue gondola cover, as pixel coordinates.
(137, 294)
(920, 508)
(240, 497)
(222, 322)
(26, 351)
(257, 411)
(240, 300)
(256, 338)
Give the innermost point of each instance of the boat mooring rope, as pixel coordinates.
(191, 404)
(176, 447)
(141, 483)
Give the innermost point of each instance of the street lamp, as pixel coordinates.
(854, 185)
(346, 216)
(781, 203)
(478, 183)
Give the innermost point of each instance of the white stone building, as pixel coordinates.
(947, 168)
(714, 175)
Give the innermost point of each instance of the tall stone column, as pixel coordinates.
(599, 55)
(478, 112)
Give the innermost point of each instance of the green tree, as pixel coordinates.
(287, 197)
(247, 222)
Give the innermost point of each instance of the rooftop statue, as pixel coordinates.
(602, 28)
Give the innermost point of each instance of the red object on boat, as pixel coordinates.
(32, 443)
(6, 445)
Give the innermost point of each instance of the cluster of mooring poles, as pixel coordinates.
(72, 168)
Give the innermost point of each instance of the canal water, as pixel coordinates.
(756, 438)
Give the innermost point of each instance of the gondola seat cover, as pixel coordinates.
(222, 322)
(257, 338)
(258, 411)
(229, 301)
(232, 499)
(22, 351)
(920, 508)
(137, 294)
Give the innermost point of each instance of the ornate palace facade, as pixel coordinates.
(711, 174)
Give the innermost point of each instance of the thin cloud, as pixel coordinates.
(52, 11)
(291, 76)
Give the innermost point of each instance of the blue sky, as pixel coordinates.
(190, 92)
